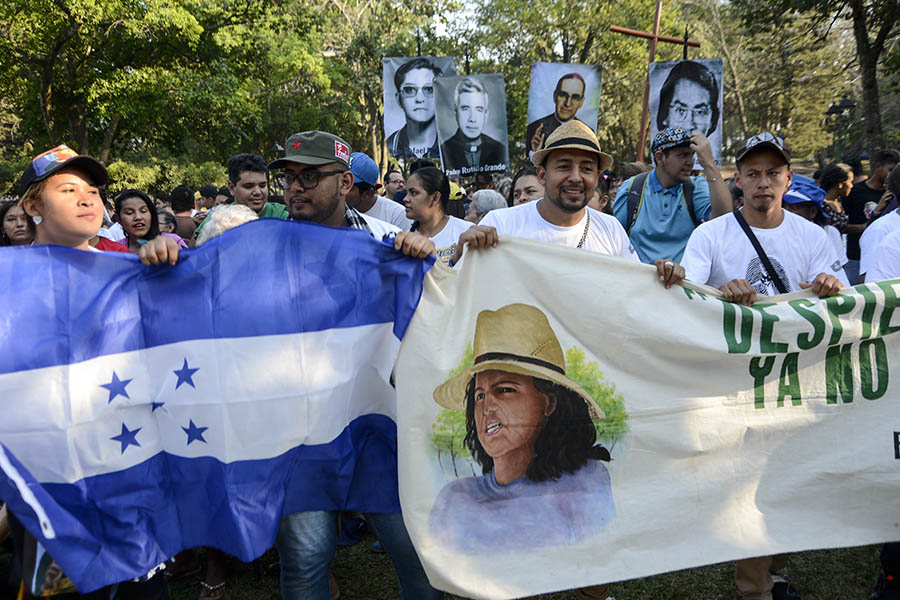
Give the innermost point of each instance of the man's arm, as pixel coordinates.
(719, 196)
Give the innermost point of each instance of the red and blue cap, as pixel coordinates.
(47, 163)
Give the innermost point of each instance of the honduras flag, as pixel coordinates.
(149, 410)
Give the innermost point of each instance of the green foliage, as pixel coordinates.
(588, 374)
(160, 175)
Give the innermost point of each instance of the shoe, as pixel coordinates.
(377, 548)
(782, 590)
(887, 588)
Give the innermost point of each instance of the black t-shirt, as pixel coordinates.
(855, 206)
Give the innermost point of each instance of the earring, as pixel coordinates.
(37, 219)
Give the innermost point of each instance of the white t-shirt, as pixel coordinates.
(605, 233)
(389, 212)
(885, 261)
(446, 238)
(872, 236)
(839, 242)
(379, 228)
(719, 251)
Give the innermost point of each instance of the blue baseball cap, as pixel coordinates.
(804, 189)
(670, 137)
(364, 169)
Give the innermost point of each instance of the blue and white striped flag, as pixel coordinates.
(149, 410)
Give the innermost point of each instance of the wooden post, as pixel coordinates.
(654, 38)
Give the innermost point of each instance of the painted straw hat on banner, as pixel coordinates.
(573, 135)
(517, 339)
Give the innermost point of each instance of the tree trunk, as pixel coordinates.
(868, 54)
(108, 138)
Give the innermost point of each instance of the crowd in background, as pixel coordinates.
(846, 231)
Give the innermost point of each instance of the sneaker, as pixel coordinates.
(782, 590)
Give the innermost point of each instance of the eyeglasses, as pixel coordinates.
(682, 112)
(307, 179)
(410, 91)
(564, 96)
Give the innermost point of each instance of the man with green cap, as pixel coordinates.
(316, 179)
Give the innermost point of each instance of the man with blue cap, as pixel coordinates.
(363, 195)
(660, 209)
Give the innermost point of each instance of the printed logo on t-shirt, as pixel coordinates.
(836, 266)
(759, 279)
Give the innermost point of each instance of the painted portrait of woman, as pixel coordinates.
(531, 429)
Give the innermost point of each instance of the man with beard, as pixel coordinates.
(569, 166)
(469, 150)
(660, 209)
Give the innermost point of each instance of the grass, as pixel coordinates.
(842, 574)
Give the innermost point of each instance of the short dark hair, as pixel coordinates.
(855, 165)
(419, 163)
(224, 191)
(388, 174)
(893, 182)
(699, 74)
(564, 445)
(834, 174)
(569, 76)
(121, 197)
(209, 191)
(510, 200)
(182, 198)
(411, 65)
(240, 163)
(888, 156)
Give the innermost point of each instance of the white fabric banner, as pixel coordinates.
(733, 432)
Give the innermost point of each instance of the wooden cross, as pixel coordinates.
(653, 37)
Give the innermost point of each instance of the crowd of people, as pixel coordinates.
(764, 231)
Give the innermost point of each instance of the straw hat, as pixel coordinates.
(572, 134)
(517, 339)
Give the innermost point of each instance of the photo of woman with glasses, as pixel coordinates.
(409, 123)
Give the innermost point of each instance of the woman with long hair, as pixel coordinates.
(427, 198)
(139, 218)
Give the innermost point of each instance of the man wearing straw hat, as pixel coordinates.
(569, 166)
(531, 428)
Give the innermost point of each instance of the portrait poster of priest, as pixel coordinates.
(471, 121)
(688, 94)
(560, 92)
(409, 94)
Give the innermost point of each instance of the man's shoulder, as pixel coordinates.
(504, 218)
(379, 228)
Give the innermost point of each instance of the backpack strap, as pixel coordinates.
(635, 196)
(687, 189)
(773, 274)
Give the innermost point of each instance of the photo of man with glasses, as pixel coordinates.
(576, 96)
(409, 110)
(688, 94)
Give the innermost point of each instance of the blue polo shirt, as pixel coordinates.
(663, 224)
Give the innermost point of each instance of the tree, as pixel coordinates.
(873, 22)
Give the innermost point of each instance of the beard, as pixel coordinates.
(568, 204)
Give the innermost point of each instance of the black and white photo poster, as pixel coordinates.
(688, 94)
(409, 101)
(471, 118)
